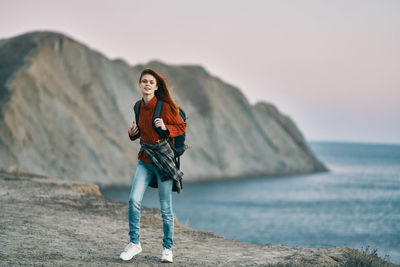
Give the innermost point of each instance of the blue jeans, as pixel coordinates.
(144, 173)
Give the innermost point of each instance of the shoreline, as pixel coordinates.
(224, 178)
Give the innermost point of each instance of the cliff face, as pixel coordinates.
(65, 111)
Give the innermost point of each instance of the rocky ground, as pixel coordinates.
(51, 222)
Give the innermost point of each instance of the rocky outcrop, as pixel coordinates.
(286, 138)
(65, 111)
(48, 222)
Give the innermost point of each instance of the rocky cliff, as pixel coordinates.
(65, 110)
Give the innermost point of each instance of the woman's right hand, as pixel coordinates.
(133, 130)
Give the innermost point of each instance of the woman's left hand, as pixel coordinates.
(160, 123)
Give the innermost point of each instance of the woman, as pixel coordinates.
(153, 86)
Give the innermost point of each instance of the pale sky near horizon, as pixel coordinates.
(332, 66)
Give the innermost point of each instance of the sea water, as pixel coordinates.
(356, 204)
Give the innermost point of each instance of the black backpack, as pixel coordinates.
(178, 142)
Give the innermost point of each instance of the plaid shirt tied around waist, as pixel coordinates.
(162, 156)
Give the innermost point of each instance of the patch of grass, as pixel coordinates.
(289, 264)
(13, 178)
(367, 258)
(149, 220)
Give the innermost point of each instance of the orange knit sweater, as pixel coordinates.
(175, 125)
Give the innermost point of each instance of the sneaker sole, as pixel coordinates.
(131, 257)
(165, 260)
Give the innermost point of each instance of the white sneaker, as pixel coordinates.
(130, 250)
(166, 255)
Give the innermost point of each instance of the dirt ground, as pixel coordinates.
(51, 222)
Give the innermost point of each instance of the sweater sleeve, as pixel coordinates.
(174, 123)
(134, 137)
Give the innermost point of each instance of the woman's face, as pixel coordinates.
(148, 84)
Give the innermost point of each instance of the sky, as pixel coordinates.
(331, 66)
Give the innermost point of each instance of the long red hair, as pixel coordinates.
(162, 92)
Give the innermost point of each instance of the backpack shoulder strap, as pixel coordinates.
(157, 114)
(137, 109)
(182, 114)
